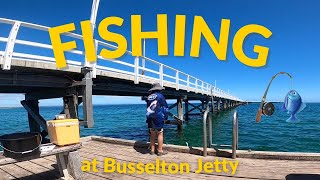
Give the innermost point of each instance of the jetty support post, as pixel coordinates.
(70, 104)
(202, 106)
(186, 108)
(218, 105)
(180, 111)
(87, 97)
(225, 105)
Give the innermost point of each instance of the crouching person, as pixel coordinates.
(157, 109)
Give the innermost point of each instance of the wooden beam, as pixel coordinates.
(33, 125)
(180, 111)
(195, 107)
(87, 97)
(34, 114)
(186, 107)
(172, 106)
(71, 106)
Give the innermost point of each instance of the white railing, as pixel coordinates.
(157, 73)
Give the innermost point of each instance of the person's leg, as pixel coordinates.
(152, 140)
(160, 141)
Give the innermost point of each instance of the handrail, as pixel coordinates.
(179, 79)
(205, 142)
(235, 135)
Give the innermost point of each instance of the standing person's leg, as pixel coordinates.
(152, 141)
(160, 143)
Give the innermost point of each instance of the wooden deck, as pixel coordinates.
(46, 168)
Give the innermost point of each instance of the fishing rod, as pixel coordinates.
(268, 108)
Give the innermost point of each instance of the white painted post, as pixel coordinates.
(94, 65)
(136, 70)
(10, 46)
(94, 12)
(196, 85)
(188, 83)
(1, 59)
(161, 74)
(177, 80)
(93, 18)
(144, 54)
(202, 87)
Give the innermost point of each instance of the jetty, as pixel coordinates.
(269, 165)
(28, 67)
(31, 73)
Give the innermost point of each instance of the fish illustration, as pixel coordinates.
(293, 104)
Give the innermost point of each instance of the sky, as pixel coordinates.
(293, 46)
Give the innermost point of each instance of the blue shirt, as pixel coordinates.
(156, 103)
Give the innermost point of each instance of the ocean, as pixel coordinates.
(128, 122)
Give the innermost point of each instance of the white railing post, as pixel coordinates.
(161, 74)
(10, 46)
(143, 64)
(188, 83)
(94, 65)
(202, 87)
(1, 59)
(196, 85)
(177, 80)
(136, 70)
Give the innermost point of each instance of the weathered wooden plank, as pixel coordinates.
(100, 158)
(261, 166)
(121, 158)
(5, 176)
(134, 156)
(39, 170)
(100, 174)
(50, 163)
(19, 172)
(248, 168)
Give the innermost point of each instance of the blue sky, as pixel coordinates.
(294, 45)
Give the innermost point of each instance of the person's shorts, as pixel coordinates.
(156, 130)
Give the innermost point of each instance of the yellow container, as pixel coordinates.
(64, 132)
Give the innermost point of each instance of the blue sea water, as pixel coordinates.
(128, 122)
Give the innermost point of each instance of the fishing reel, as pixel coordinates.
(267, 108)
